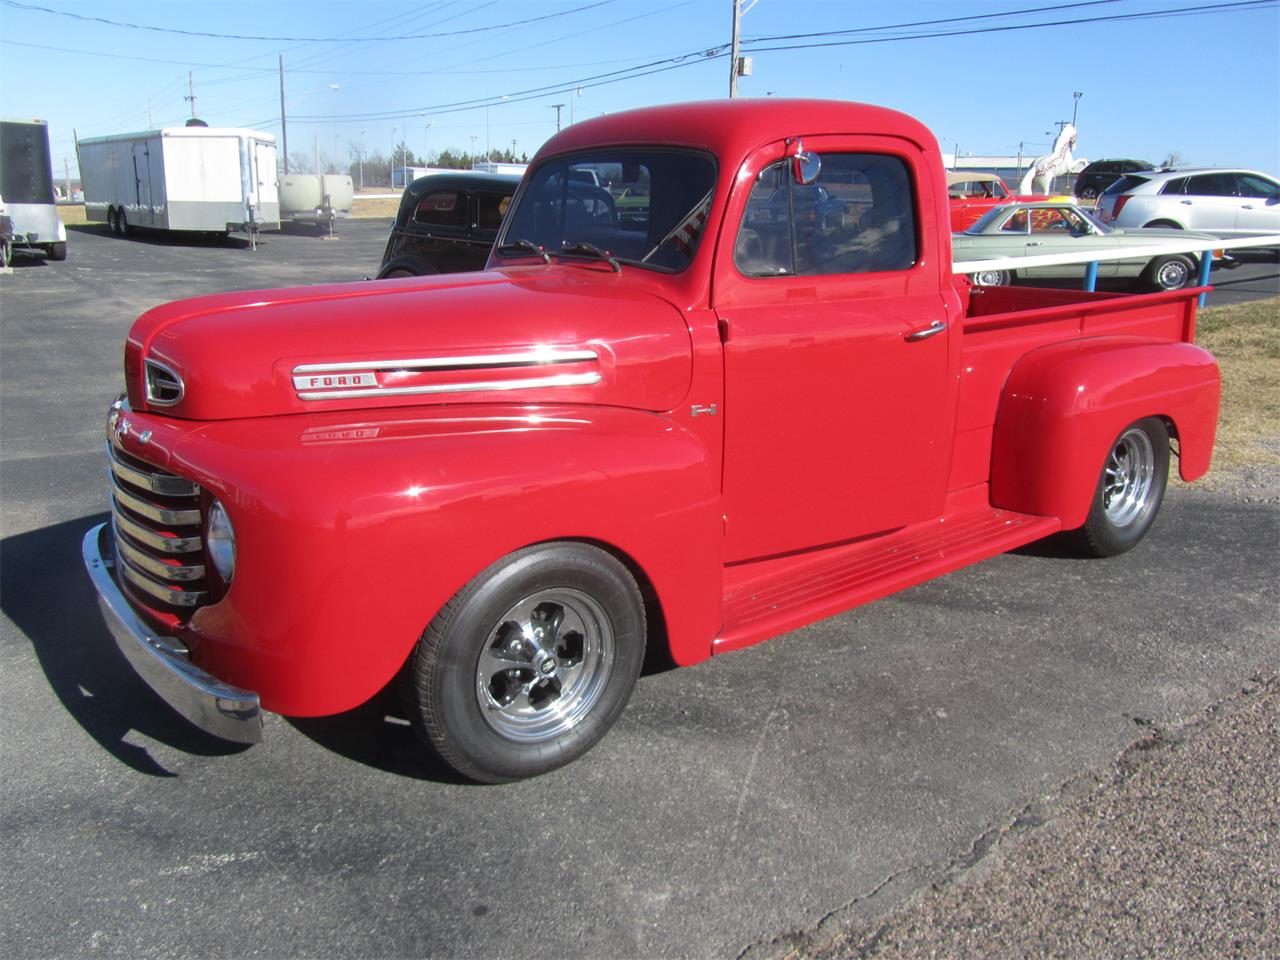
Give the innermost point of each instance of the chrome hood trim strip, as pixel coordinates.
(562, 380)
(525, 359)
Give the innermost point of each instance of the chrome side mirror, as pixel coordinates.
(805, 166)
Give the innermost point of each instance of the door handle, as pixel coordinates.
(1035, 243)
(1185, 203)
(932, 330)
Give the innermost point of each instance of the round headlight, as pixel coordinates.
(220, 541)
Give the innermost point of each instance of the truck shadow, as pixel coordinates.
(377, 735)
(46, 593)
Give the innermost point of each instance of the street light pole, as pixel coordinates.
(1076, 96)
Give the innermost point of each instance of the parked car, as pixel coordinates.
(1100, 174)
(1032, 229)
(1223, 202)
(446, 223)
(973, 194)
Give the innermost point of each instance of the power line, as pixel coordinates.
(241, 36)
(720, 51)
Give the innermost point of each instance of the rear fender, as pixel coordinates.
(352, 534)
(1064, 404)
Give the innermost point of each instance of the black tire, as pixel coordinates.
(113, 226)
(6, 253)
(57, 251)
(569, 621)
(405, 267)
(122, 223)
(1129, 492)
(1089, 193)
(1169, 273)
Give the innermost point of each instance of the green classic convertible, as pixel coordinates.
(1031, 229)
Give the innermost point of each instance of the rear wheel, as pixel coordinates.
(57, 251)
(122, 224)
(529, 665)
(112, 224)
(1129, 492)
(991, 278)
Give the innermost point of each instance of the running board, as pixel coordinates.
(769, 597)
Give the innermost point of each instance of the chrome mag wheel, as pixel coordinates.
(1128, 477)
(544, 666)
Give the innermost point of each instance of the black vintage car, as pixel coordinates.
(447, 223)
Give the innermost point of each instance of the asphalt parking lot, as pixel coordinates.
(810, 783)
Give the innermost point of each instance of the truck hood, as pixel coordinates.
(532, 334)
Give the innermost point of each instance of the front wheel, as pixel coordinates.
(1129, 492)
(57, 251)
(530, 664)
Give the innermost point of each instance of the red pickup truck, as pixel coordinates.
(765, 400)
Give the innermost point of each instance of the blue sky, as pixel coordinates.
(1204, 83)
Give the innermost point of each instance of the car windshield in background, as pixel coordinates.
(642, 207)
(1125, 184)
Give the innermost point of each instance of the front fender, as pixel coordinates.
(1064, 404)
(352, 534)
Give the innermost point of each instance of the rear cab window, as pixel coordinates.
(442, 209)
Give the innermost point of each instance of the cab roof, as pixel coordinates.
(733, 128)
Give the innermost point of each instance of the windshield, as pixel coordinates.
(570, 204)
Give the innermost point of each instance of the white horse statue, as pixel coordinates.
(1040, 176)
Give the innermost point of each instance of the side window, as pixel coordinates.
(1175, 186)
(1017, 223)
(763, 248)
(1212, 185)
(442, 208)
(1251, 186)
(493, 206)
(858, 217)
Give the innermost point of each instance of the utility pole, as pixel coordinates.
(557, 107)
(191, 92)
(66, 174)
(739, 66)
(284, 137)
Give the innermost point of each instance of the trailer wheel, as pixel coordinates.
(530, 664)
(57, 251)
(123, 223)
(112, 226)
(1129, 492)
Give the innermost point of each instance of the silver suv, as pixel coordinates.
(1224, 202)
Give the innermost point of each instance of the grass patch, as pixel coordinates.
(362, 209)
(1245, 337)
(72, 214)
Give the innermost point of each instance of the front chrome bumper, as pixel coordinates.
(213, 706)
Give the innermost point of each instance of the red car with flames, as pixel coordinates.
(973, 194)
(688, 430)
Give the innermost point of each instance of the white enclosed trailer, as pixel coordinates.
(26, 189)
(195, 178)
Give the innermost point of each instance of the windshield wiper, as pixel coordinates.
(524, 246)
(592, 251)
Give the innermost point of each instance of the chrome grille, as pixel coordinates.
(156, 519)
